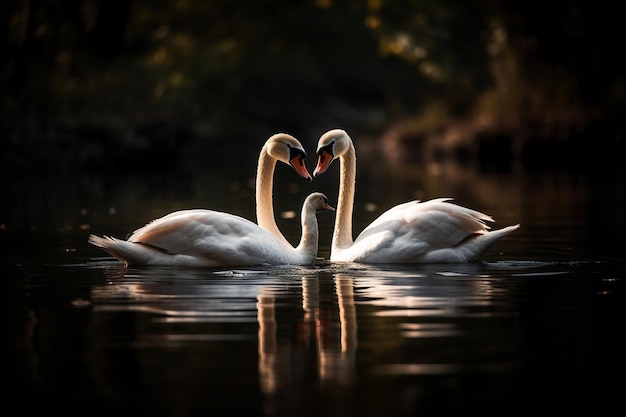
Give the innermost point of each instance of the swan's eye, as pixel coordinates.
(323, 151)
(297, 154)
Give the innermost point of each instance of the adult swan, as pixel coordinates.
(213, 238)
(413, 232)
(191, 227)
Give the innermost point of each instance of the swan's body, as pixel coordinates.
(206, 237)
(212, 238)
(413, 232)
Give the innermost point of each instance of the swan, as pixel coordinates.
(199, 237)
(434, 231)
(278, 147)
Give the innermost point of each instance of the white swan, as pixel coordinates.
(279, 147)
(413, 232)
(201, 237)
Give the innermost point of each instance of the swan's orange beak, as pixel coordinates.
(324, 158)
(297, 162)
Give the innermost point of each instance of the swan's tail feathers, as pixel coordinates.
(101, 242)
(128, 252)
(480, 244)
(508, 229)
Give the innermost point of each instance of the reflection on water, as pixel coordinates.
(366, 339)
(321, 337)
(324, 330)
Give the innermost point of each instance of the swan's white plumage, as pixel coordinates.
(211, 238)
(412, 232)
(199, 237)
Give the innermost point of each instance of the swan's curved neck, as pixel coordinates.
(264, 187)
(342, 235)
(310, 232)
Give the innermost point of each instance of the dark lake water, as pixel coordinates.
(536, 326)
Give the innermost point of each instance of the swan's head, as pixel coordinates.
(287, 149)
(319, 202)
(331, 146)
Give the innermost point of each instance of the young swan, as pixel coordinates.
(414, 232)
(212, 238)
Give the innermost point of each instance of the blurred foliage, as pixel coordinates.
(84, 79)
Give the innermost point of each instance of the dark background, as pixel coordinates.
(92, 86)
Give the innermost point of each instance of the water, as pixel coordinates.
(537, 326)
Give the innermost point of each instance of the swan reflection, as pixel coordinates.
(328, 329)
(306, 324)
(278, 333)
